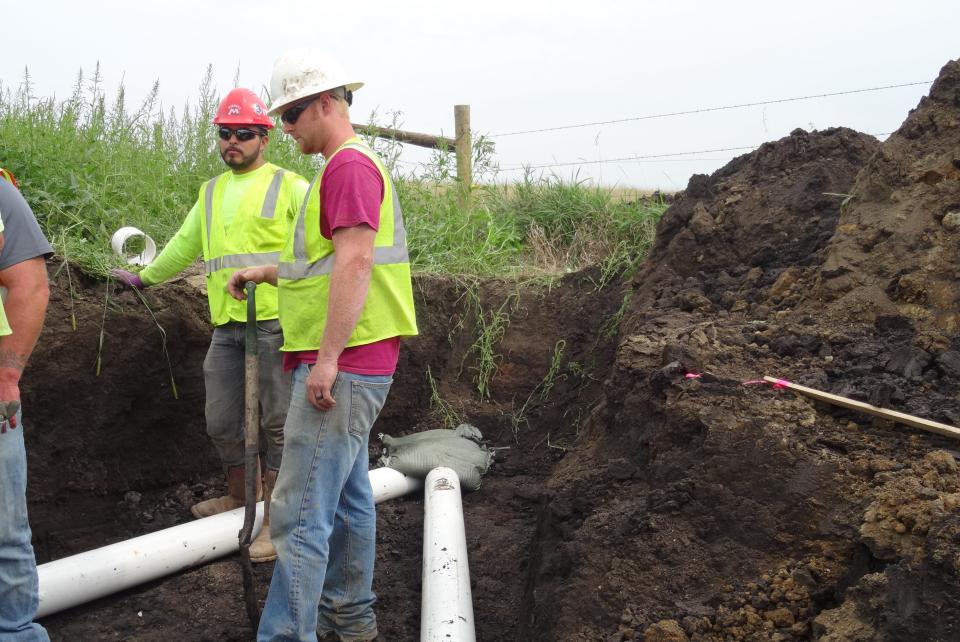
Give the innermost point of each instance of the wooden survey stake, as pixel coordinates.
(892, 415)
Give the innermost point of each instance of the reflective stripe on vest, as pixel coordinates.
(255, 236)
(301, 268)
(306, 268)
(4, 326)
(269, 209)
(236, 261)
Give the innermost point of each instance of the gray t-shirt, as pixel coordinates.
(22, 237)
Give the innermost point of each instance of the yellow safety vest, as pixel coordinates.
(306, 263)
(257, 233)
(6, 174)
(4, 326)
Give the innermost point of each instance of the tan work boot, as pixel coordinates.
(261, 549)
(235, 498)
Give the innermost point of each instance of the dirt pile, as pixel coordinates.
(735, 512)
(629, 501)
(894, 262)
(741, 237)
(703, 501)
(895, 250)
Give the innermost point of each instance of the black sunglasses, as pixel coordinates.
(243, 134)
(291, 115)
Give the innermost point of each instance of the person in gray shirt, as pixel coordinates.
(23, 277)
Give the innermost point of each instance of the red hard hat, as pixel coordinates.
(242, 107)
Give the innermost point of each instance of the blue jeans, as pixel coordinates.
(322, 517)
(18, 567)
(224, 379)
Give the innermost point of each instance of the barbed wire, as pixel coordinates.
(645, 158)
(631, 158)
(650, 158)
(709, 109)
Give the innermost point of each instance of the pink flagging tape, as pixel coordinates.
(692, 375)
(778, 384)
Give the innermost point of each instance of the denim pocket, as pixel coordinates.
(366, 400)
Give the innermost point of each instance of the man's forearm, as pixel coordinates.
(270, 274)
(349, 283)
(179, 253)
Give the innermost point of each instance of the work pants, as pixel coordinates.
(323, 522)
(224, 376)
(19, 596)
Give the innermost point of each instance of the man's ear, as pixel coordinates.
(325, 102)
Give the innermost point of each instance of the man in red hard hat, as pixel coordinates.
(240, 220)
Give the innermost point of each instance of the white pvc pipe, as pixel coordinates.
(388, 483)
(87, 576)
(124, 234)
(446, 608)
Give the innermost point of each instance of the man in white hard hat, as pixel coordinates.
(346, 300)
(240, 219)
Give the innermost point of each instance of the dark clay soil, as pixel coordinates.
(629, 501)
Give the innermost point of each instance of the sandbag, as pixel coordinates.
(419, 453)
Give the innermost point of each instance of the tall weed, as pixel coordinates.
(89, 164)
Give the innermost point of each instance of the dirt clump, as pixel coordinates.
(647, 487)
(895, 248)
(744, 235)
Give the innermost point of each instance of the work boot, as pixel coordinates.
(261, 549)
(235, 498)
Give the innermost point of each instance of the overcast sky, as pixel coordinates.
(525, 65)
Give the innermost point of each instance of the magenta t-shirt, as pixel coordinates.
(350, 195)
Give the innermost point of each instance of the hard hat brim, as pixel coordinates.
(277, 106)
(240, 120)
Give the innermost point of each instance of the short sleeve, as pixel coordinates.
(23, 238)
(351, 193)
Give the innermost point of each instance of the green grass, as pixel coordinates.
(520, 418)
(440, 407)
(491, 327)
(89, 164)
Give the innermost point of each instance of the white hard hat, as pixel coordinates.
(304, 72)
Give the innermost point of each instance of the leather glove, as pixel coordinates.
(8, 414)
(129, 279)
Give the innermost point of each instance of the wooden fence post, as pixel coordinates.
(464, 147)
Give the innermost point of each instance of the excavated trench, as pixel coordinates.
(634, 502)
(119, 456)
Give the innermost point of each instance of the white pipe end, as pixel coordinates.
(124, 234)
